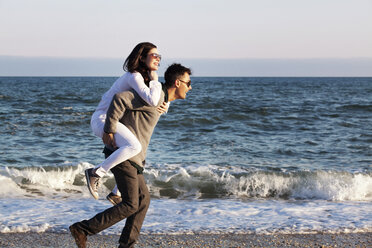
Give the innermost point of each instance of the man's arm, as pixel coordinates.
(116, 111)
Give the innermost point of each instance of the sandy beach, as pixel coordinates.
(193, 240)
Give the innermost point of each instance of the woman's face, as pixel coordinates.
(153, 59)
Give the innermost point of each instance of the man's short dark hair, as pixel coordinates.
(173, 72)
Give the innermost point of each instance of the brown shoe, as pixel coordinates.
(114, 199)
(79, 236)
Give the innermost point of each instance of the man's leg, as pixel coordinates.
(128, 184)
(134, 222)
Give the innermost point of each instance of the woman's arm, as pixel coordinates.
(151, 94)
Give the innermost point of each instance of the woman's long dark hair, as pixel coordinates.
(136, 60)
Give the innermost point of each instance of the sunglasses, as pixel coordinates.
(187, 83)
(155, 56)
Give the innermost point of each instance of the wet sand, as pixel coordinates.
(26, 240)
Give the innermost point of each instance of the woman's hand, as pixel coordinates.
(109, 140)
(163, 108)
(154, 76)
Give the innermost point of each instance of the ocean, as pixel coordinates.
(239, 155)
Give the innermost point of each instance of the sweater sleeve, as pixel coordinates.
(115, 112)
(150, 95)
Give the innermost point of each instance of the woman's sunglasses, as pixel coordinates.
(155, 56)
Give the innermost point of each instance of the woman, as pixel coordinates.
(140, 66)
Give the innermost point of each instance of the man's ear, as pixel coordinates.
(177, 83)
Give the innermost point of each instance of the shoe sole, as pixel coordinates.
(111, 200)
(88, 184)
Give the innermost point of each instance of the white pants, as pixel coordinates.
(128, 144)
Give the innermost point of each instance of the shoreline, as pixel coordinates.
(47, 239)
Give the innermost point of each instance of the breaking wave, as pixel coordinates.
(194, 182)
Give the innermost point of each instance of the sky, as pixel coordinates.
(215, 37)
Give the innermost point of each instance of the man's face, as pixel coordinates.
(184, 85)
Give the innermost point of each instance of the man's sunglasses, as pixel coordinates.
(187, 83)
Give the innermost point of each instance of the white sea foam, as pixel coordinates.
(61, 182)
(196, 182)
(213, 181)
(195, 216)
(21, 228)
(207, 199)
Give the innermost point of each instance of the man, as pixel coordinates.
(128, 108)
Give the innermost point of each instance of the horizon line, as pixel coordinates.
(2, 76)
(195, 58)
(227, 67)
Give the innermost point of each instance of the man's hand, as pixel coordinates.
(163, 108)
(109, 140)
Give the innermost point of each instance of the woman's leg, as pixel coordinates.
(129, 146)
(97, 123)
